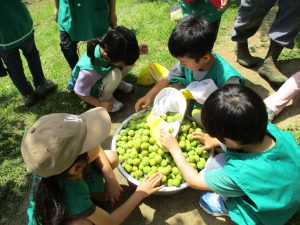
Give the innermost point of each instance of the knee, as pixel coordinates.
(112, 158)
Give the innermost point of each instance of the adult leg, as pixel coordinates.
(282, 33)
(43, 86)
(69, 49)
(34, 62)
(249, 18)
(3, 71)
(16, 73)
(278, 100)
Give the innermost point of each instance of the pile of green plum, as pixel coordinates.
(140, 155)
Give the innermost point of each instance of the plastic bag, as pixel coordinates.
(199, 90)
(167, 100)
(151, 74)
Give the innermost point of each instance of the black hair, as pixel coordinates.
(119, 43)
(192, 37)
(236, 112)
(49, 203)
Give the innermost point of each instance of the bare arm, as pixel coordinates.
(112, 13)
(146, 100)
(113, 187)
(146, 188)
(55, 9)
(191, 176)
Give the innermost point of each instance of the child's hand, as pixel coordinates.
(149, 185)
(168, 141)
(143, 103)
(208, 141)
(144, 49)
(55, 11)
(224, 4)
(112, 190)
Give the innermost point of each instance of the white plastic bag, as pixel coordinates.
(199, 90)
(167, 100)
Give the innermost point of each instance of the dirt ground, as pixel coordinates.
(182, 208)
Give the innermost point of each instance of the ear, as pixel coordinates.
(76, 168)
(206, 58)
(103, 53)
(232, 143)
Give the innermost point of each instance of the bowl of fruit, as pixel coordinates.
(141, 156)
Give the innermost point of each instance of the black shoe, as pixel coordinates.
(29, 100)
(44, 89)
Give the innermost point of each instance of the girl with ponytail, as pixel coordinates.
(101, 69)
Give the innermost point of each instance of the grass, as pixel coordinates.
(151, 21)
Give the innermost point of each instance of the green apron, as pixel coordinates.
(84, 20)
(220, 72)
(271, 197)
(16, 24)
(101, 66)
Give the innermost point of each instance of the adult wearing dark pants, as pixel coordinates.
(283, 31)
(82, 21)
(16, 32)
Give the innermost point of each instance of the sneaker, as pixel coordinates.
(125, 87)
(213, 204)
(44, 89)
(271, 114)
(29, 100)
(116, 105)
(269, 71)
(70, 85)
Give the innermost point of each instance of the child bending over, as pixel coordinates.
(100, 70)
(260, 178)
(64, 151)
(191, 42)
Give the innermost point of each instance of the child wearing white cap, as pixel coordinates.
(64, 150)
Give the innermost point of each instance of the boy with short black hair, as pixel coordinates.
(260, 177)
(191, 42)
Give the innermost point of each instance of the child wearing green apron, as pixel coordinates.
(100, 70)
(259, 182)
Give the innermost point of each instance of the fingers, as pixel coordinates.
(198, 135)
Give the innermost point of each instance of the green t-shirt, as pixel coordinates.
(76, 194)
(77, 198)
(84, 20)
(264, 187)
(220, 72)
(201, 8)
(15, 23)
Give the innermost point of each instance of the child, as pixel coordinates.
(62, 149)
(260, 177)
(191, 42)
(278, 100)
(100, 70)
(16, 34)
(76, 24)
(204, 9)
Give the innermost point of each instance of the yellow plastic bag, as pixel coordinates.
(151, 74)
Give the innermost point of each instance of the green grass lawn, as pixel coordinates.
(151, 21)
